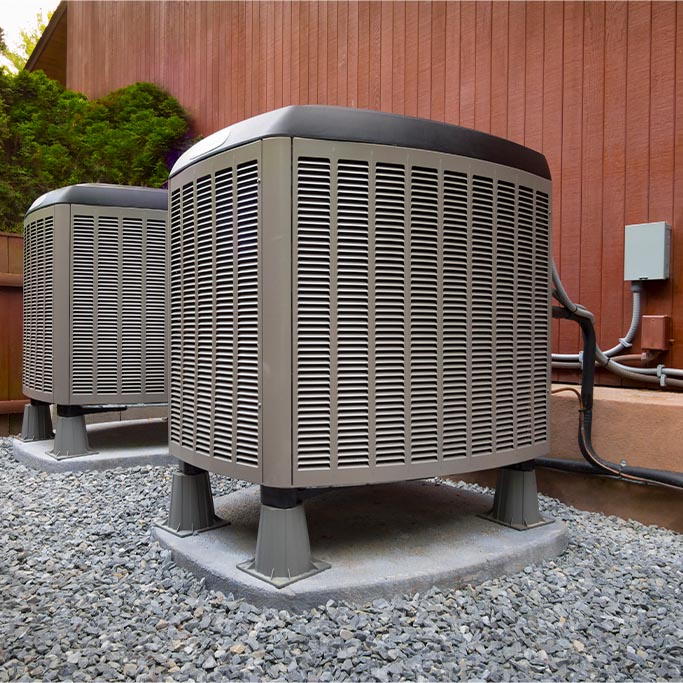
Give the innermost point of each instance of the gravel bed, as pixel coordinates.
(85, 594)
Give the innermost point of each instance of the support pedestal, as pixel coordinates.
(283, 550)
(71, 439)
(191, 510)
(515, 503)
(37, 422)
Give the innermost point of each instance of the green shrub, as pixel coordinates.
(51, 137)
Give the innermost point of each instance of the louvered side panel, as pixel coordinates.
(83, 305)
(175, 387)
(27, 376)
(38, 342)
(155, 307)
(541, 328)
(525, 315)
(248, 411)
(456, 342)
(482, 349)
(223, 429)
(390, 319)
(352, 313)
(506, 308)
(46, 332)
(313, 314)
(424, 192)
(108, 331)
(205, 314)
(189, 320)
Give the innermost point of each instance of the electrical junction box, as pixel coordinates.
(647, 250)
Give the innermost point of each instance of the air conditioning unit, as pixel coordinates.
(94, 305)
(355, 298)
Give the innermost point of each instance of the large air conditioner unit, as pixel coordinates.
(94, 306)
(355, 298)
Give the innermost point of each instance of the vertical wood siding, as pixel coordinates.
(596, 86)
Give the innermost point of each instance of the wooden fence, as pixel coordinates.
(11, 282)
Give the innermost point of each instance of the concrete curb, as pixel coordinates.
(381, 541)
(131, 443)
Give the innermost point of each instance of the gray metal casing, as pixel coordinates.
(362, 320)
(647, 251)
(95, 297)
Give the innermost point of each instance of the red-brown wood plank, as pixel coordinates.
(533, 75)
(661, 147)
(637, 139)
(287, 53)
(499, 69)
(411, 58)
(482, 66)
(398, 54)
(343, 53)
(516, 70)
(374, 55)
(468, 29)
(610, 326)
(294, 94)
(322, 54)
(363, 74)
(675, 357)
(6, 295)
(572, 117)
(424, 60)
(553, 41)
(352, 54)
(592, 126)
(386, 59)
(438, 60)
(332, 79)
(452, 94)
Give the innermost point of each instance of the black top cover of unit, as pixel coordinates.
(100, 194)
(344, 124)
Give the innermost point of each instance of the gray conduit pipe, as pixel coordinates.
(660, 375)
(624, 343)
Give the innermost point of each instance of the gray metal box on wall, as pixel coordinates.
(95, 296)
(647, 251)
(357, 297)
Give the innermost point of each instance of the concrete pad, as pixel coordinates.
(379, 540)
(117, 444)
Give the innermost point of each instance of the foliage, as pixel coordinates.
(27, 41)
(51, 137)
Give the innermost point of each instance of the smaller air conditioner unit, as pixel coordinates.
(94, 306)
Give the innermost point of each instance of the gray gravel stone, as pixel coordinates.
(86, 594)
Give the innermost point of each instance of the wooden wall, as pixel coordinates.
(11, 266)
(596, 86)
